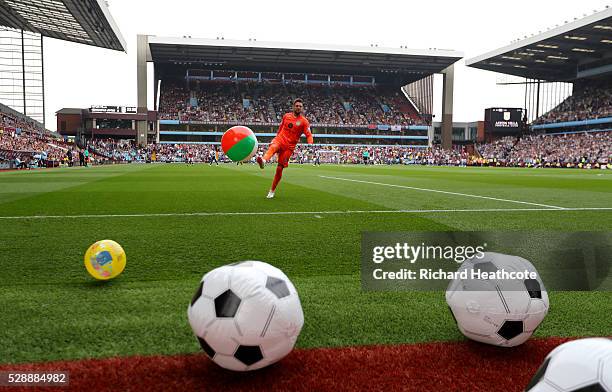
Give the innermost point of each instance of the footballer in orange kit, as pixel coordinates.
(291, 128)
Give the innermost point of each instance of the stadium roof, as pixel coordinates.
(399, 63)
(579, 49)
(84, 21)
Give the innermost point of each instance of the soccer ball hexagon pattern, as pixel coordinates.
(499, 312)
(583, 365)
(246, 315)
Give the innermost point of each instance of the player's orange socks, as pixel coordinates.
(277, 177)
(271, 151)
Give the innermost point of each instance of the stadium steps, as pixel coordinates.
(271, 111)
(410, 111)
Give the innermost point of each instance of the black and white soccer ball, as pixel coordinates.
(246, 315)
(498, 312)
(583, 365)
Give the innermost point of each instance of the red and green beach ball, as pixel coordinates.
(239, 143)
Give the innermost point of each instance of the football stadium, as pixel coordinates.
(288, 216)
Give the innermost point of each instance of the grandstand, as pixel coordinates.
(24, 140)
(569, 127)
(360, 100)
(353, 95)
(23, 26)
(577, 54)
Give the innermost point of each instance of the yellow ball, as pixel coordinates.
(105, 260)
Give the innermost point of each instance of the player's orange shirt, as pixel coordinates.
(291, 129)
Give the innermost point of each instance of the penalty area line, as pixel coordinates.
(315, 213)
(444, 192)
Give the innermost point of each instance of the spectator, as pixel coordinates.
(587, 102)
(566, 150)
(265, 102)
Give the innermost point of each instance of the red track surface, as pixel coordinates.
(465, 366)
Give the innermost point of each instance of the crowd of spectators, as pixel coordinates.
(498, 149)
(23, 144)
(382, 155)
(266, 102)
(586, 149)
(592, 149)
(588, 102)
(126, 151)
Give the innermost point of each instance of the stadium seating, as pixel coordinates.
(126, 151)
(583, 150)
(24, 141)
(586, 149)
(498, 149)
(266, 102)
(587, 102)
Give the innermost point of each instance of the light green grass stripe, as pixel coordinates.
(440, 191)
(347, 212)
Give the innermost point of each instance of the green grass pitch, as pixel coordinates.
(51, 308)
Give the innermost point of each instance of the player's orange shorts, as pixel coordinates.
(284, 153)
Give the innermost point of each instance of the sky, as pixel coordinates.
(80, 76)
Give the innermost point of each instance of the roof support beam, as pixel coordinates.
(142, 47)
(447, 107)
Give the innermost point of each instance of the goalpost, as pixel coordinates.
(329, 156)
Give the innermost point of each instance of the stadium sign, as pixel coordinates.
(504, 120)
(113, 109)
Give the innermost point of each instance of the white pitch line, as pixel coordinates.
(315, 213)
(444, 192)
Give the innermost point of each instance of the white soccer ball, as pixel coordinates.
(246, 315)
(498, 312)
(579, 365)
